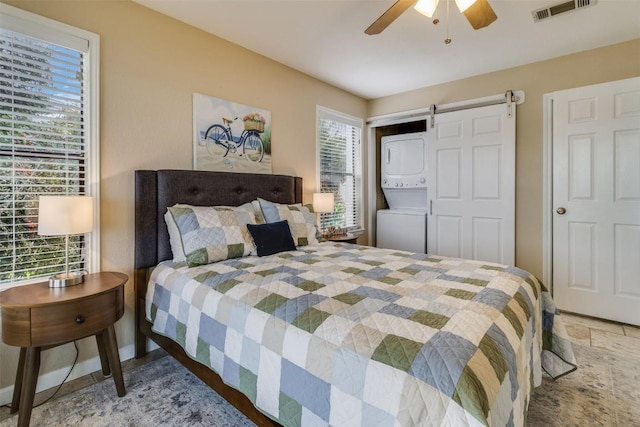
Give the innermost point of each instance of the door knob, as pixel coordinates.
(561, 211)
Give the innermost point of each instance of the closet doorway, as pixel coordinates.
(471, 161)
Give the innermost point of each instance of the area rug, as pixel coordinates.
(604, 391)
(162, 392)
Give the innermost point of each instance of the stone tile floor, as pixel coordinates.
(605, 390)
(614, 337)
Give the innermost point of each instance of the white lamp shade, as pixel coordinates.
(426, 7)
(323, 202)
(63, 215)
(464, 4)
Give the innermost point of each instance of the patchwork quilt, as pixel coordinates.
(348, 335)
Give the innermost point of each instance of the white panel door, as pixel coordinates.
(596, 200)
(471, 169)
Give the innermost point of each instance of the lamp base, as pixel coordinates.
(63, 280)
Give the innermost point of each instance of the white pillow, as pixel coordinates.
(257, 210)
(174, 238)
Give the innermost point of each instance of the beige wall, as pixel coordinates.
(595, 66)
(150, 66)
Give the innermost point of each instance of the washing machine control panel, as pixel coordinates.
(413, 182)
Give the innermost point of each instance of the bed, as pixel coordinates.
(339, 334)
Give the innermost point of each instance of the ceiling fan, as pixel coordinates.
(478, 12)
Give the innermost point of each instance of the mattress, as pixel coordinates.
(347, 335)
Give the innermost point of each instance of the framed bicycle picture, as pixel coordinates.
(230, 137)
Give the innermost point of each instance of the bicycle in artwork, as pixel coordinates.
(248, 144)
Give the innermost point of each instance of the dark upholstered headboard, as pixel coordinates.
(157, 190)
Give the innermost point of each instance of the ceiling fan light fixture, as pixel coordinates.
(464, 4)
(426, 7)
(478, 12)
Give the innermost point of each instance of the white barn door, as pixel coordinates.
(471, 175)
(596, 200)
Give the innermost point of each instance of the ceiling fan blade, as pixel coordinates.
(480, 14)
(389, 16)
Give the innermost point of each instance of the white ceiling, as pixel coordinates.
(325, 38)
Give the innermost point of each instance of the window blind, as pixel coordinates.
(340, 165)
(42, 150)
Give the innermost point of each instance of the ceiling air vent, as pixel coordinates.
(557, 9)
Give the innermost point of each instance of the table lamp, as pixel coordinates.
(62, 216)
(323, 203)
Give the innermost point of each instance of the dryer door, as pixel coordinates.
(404, 161)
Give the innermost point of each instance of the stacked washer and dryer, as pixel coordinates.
(404, 183)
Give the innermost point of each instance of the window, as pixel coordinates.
(340, 167)
(48, 139)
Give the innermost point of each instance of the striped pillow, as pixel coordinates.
(213, 233)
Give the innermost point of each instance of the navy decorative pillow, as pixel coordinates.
(302, 221)
(272, 238)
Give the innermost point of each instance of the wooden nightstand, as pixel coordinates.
(36, 317)
(343, 238)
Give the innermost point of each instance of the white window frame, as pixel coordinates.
(55, 32)
(324, 113)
